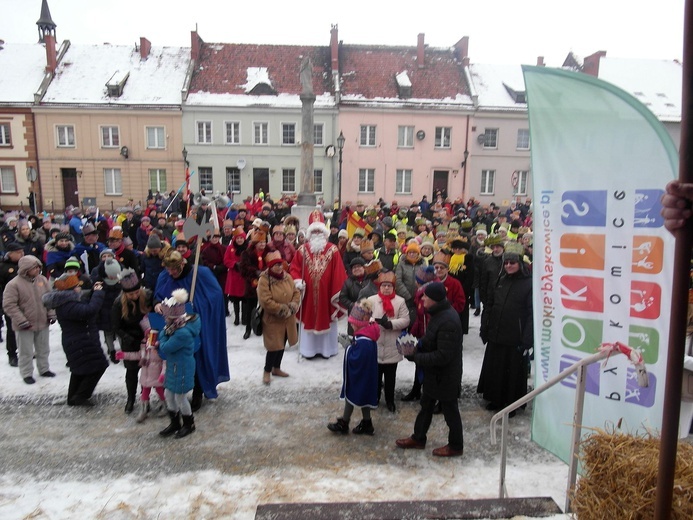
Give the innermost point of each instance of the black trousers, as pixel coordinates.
(82, 387)
(248, 304)
(273, 359)
(452, 418)
(388, 372)
(10, 339)
(131, 381)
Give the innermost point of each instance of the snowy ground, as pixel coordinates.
(255, 444)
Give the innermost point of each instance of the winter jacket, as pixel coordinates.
(93, 254)
(128, 328)
(8, 270)
(387, 343)
(279, 319)
(32, 245)
(507, 318)
(488, 275)
(21, 299)
(78, 314)
(250, 269)
(235, 284)
(151, 266)
(349, 294)
(212, 256)
(405, 274)
(440, 353)
(178, 349)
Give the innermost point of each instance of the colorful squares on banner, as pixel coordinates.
(582, 293)
(648, 209)
(580, 251)
(581, 334)
(646, 340)
(635, 394)
(591, 381)
(645, 300)
(583, 208)
(648, 254)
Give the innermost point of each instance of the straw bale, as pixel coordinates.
(620, 478)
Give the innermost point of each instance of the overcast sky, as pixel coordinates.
(500, 31)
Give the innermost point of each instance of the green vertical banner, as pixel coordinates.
(602, 258)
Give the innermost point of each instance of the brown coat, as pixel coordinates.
(279, 318)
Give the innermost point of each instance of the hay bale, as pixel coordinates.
(620, 478)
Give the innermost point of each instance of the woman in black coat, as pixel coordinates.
(507, 328)
(78, 315)
(250, 267)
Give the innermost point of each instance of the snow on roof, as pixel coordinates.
(256, 76)
(241, 100)
(492, 83)
(656, 83)
(82, 75)
(23, 68)
(403, 79)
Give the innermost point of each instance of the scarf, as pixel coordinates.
(412, 261)
(279, 276)
(387, 303)
(457, 263)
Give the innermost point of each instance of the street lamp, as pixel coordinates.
(185, 157)
(340, 147)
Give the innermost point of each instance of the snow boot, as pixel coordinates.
(144, 412)
(341, 426)
(364, 428)
(173, 427)
(188, 426)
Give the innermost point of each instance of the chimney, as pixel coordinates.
(462, 48)
(145, 47)
(420, 51)
(591, 64)
(540, 61)
(51, 54)
(195, 44)
(334, 47)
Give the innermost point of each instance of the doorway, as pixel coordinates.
(70, 188)
(440, 183)
(260, 180)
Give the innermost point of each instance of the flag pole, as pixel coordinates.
(679, 296)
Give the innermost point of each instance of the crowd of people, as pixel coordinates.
(160, 299)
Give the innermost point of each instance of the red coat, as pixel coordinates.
(235, 284)
(324, 275)
(212, 256)
(455, 293)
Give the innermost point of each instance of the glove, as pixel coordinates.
(25, 325)
(51, 321)
(119, 355)
(384, 322)
(300, 285)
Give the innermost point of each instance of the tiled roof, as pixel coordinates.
(223, 67)
(370, 71)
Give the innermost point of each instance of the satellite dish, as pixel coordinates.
(240, 163)
(481, 138)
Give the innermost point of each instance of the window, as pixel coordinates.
(523, 139)
(206, 178)
(8, 182)
(204, 132)
(113, 182)
(318, 134)
(403, 181)
(157, 180)
(491, 138)
(233, 180)
(288, 180)
(521, 187)
(288, 133)
(233, 132)
(155, 137)
(260, 132)
(367, 135)
(487, 181)
(5, 139)
(443, 136)
(110, 137)
(405, 136)
(367, 180)
(66, 136)
(317, 181)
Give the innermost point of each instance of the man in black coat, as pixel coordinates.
(440, 356)
(9, 267)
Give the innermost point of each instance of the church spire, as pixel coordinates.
(45, 23)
